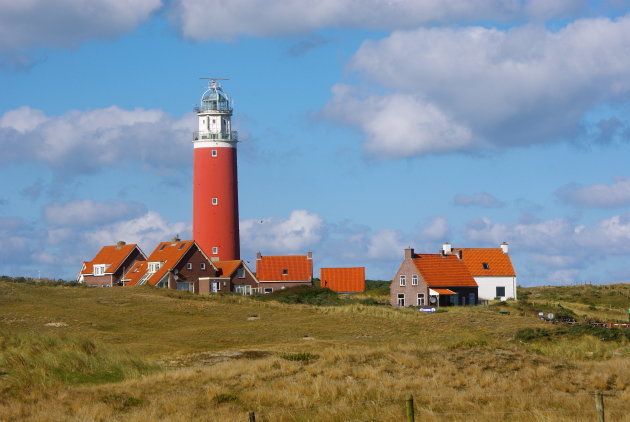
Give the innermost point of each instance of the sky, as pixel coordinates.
(365, 127)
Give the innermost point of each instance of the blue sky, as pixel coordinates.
(365, 127)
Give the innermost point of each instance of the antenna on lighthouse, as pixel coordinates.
(213, 81)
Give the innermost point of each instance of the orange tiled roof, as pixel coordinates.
(228, 267)
(112, 256)
(444, 291)
(443, 271)
(271, 268)
(168, 254)
(343, 279)
(498, 263)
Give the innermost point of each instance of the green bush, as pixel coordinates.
(299, 357)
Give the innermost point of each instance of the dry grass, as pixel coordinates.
(219, 361)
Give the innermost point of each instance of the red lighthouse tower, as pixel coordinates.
(215, 187)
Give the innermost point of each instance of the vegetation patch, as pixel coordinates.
(601, 333)
(299, 357)
(225, 398)
(121, 402)
(30, 360)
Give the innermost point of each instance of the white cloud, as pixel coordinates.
(385, 244)
(66, 23)
(398, 125)
(205, 19)
(147, 230)
(436, 230)
(87, 212)
(598, 195)
(486, 88)
(84, 141)
(301, 230)
(481, 199)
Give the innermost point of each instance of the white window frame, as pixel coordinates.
(154, 266)
(189, 266)
(400, 300)
(268, 290)
(414, 280)
(421, 300)
(215, 250)
(215, 201)
(202, 265)
(403, 280)
(99, 269)
(214, 153)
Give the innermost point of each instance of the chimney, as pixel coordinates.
(459, 254)
(504, 247)
(446, 248)
(258, 256)
(175, 239)
(309, 255)
(409, 253)
(120, 244)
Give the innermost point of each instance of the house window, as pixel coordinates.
(181, 245)
(500, 291)
(154, 266)
(189, 266)
(485, 266)
(214, 152)
(401, 299)
(268, 290)
(285, 271)
(202, 265)
(403, 280)
(240, 273)
(215, 201)
(99, 269)
(420, 299)
(414, 280)
(215, 250)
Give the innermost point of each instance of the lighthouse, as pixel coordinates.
(215, 186)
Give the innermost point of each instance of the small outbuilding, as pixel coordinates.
(343, 280)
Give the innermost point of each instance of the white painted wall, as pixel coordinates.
(488, 287)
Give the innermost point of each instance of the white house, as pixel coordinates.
(490, 267)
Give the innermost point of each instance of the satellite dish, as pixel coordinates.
(433, 299)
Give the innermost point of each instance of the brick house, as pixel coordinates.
(343, 280)
(276, 272)
(491, 268)
(234, 276)
(432, 279)
(177, 264)
(110, 265)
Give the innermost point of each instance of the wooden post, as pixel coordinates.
(410, 416)
(599, 405)
(252, 417)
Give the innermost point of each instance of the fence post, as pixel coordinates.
(410, 416)
(599, 405)
(252, 417)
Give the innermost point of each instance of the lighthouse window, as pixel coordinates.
(215, 250)
(215, 201)
(214, 152)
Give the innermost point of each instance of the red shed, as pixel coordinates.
(345, 280)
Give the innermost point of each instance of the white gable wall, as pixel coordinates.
(488, 287)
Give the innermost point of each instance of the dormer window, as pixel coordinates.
(154, 266)
(485, 266)
(99, 269)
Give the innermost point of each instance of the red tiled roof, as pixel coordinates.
(271, 268)
(228, 267)
(443, 271)
(343, 279)
(112, 256)
(168, 254)
(498, 263)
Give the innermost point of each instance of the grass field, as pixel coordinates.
(138, 354)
